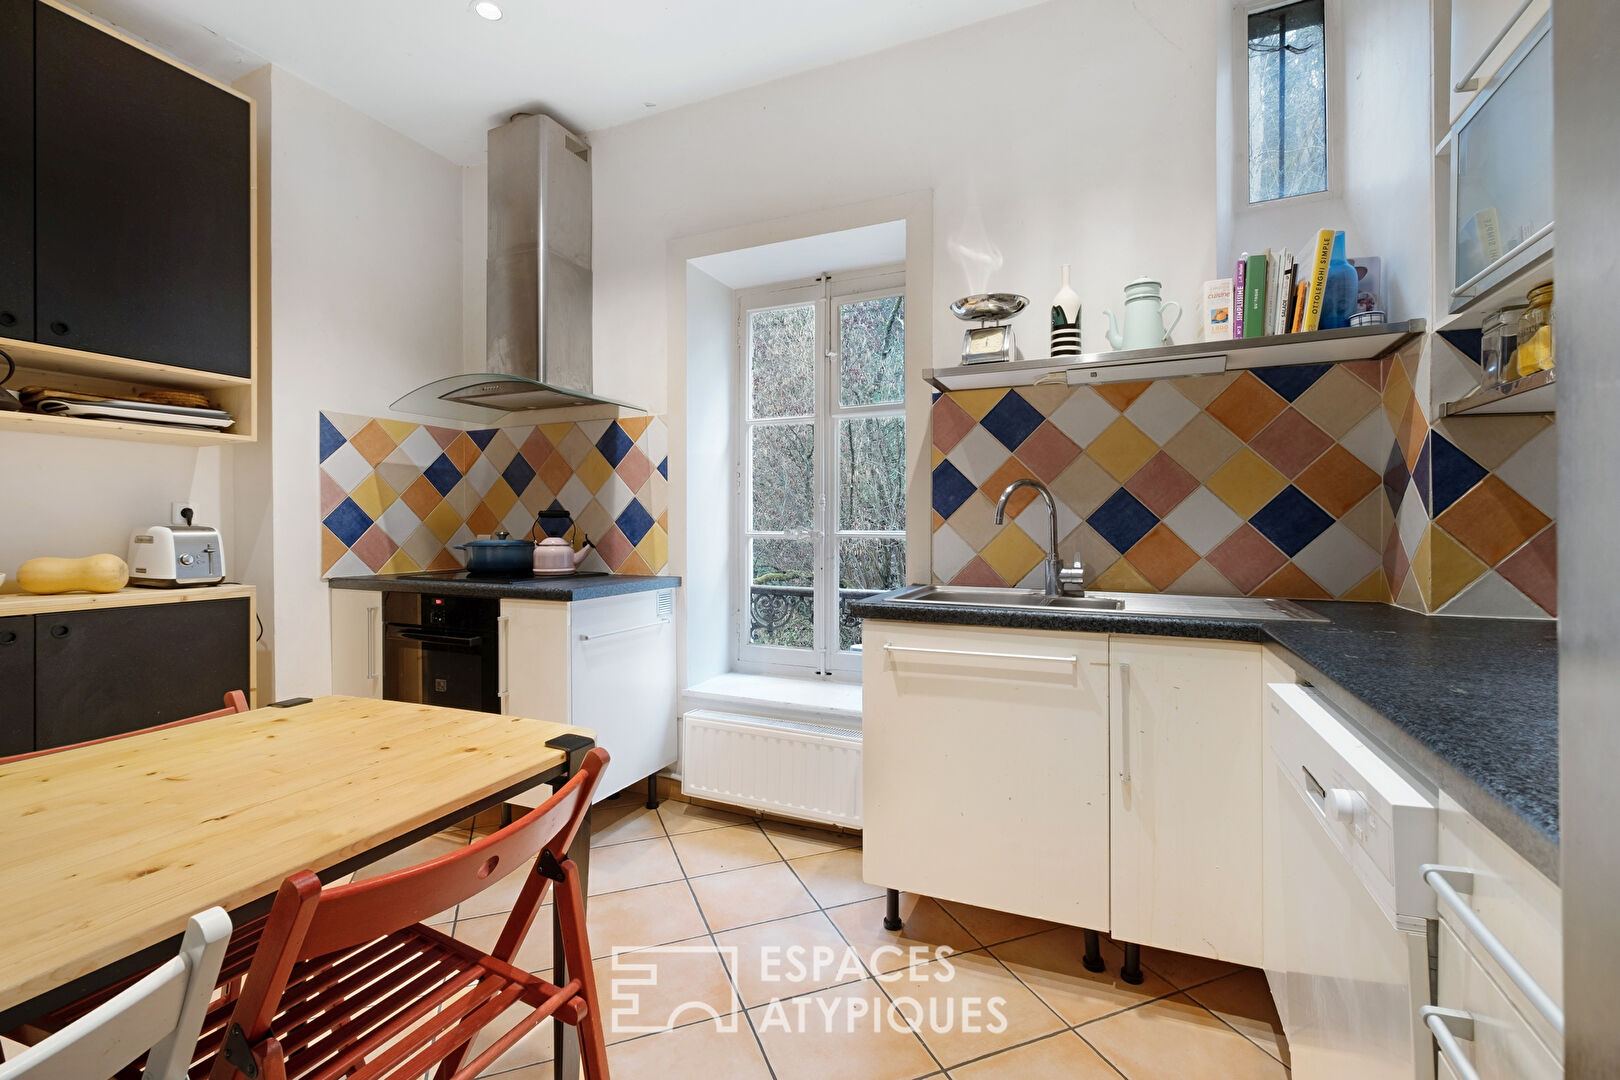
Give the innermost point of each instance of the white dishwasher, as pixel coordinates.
(1348, 915)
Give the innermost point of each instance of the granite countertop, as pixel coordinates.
(563, 589)
(1469, 704)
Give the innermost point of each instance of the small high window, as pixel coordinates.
(1287, 102)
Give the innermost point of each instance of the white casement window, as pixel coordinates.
(1287, 70)
(821, 480)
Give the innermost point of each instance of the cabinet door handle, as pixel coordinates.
(1468, 82)
(59, 328)
(503, 662)
(625, 630)
(1125, 721)
(1448, 883)
(1467, 287)
(982, 655)
(60, 631)
(373, 621)
(1447, 1026)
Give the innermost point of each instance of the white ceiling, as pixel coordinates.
(436, 72)
(792, 260)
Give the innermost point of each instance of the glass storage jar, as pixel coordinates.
(1499, 335)
(1536, 345)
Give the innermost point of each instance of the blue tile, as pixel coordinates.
(1122, 520)
(561, 527)
(1422, 473)
(1012, 420)
(1395, 477)
(1454, 473)
(332, 439)
(443, 474)
(518, 474)
(1291, 521)
(482, 436)
(663, 468)
(348, 522)
(634, 521)
(951, 489)
(1290, 382)
(615, 443)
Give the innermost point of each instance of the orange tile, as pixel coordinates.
(1121, 449)
(1492, 521)
(1337, 481)
(482, 522)
(462, 452)
(422, 496)
(1247, 406)
(634, 564)
(1161, 556)
(1291, 583)
(373, 442)
(332, 549)
(1010, 470)
(1123, 395)
(634, 425)
(555, 471)
(444, 560)
(1397, 394)
(1410, 433)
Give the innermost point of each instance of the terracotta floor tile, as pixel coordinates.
(715, 850)
(620, 820)
(927, 929)
(788, 957)
(756, 894)
(950, 1001)
(662, 988)
(1050, 965)
(797, 841)
(844, 1033)
(713, 1050)
(993, 927)
(533, 955)
(685, 817)
(532, 1049)
(1244, 1001)
(632, 865)
(1177, 1039)
(1182, 970)
(638, 918)
(835, 878)
(1063, 1055)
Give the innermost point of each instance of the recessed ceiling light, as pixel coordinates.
(487, 9)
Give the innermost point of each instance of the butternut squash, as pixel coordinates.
(95, 573)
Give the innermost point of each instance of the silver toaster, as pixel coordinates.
(171, 556)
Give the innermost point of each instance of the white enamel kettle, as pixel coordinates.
(1144, 317)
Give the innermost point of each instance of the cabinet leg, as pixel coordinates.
(891, 913)
(1093, 960)
(1131, 969)
(652, 792)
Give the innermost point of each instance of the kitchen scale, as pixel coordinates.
(992, 340)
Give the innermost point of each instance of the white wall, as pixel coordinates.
(1073, 132)
(710, 405)
(365, 276)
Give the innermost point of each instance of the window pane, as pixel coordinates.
(783, 459)
(782, 362)
(1287, 102)
(866, 565)
(781, 594)
(872, 351)
(872, 473)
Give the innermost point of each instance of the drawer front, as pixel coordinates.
(1503, 1047)
(984, 775)
(1515, 902)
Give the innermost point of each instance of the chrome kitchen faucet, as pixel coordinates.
(1058, 579)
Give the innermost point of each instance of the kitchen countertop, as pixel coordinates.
(1470, 704)
(580, 587)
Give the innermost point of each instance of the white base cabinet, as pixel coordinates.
(357, 642)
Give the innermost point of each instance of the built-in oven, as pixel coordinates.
(441, 650)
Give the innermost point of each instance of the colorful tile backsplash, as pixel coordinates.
(1282, 482)
(396, 497)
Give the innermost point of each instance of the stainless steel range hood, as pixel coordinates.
(538, 314)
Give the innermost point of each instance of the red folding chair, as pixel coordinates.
(235, 702)
(347, 982)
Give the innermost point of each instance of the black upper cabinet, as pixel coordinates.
(16, 169)
(142, 186)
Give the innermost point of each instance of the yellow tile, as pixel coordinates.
(1012, 554)
(594, 471)
(500, 499)
(1246, 483)
(654, 549)
(373, 495)
(634, 425)
(937, 458)
(1122, 449)
(556, 432)
(443, 521)
(399, 563)
(1122, 577)
(978, 403)
(1397, 393)
(400, 430)
(1452, 568)
(1420, 561)
(1373, 589)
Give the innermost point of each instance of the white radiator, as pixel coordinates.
(781, 766)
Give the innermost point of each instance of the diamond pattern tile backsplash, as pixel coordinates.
(1308, 482)
(397, 496)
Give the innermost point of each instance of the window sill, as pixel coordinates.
(783, 696)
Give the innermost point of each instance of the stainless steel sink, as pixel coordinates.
(1161, 605)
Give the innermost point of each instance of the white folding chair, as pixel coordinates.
(163, 1013)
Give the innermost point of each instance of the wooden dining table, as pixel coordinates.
(106, 850)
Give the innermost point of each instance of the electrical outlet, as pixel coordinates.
(178, 511)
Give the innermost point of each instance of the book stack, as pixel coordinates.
(1274, 293)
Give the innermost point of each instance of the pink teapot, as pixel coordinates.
(554, 554)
